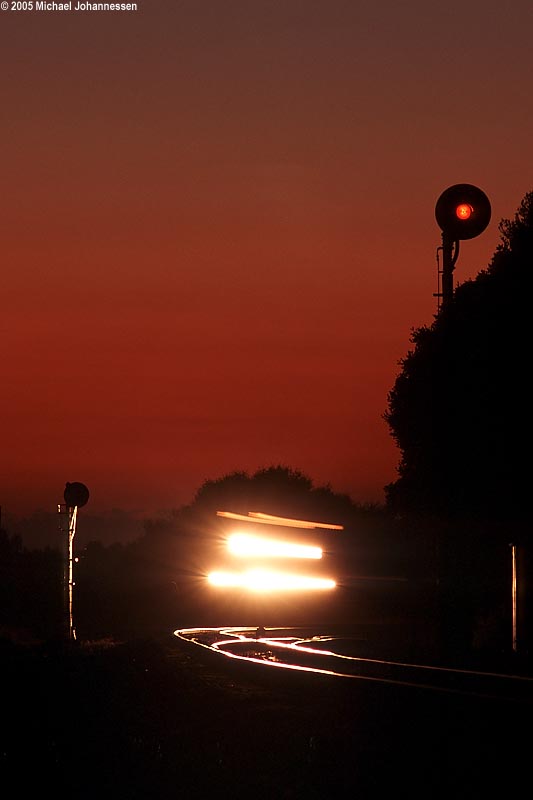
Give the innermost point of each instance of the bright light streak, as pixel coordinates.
(296, 523)
(269, 519)
(259, 580)
(244, 546)
(250, 517)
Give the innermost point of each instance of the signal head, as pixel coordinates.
(463, 211)
(76, 494)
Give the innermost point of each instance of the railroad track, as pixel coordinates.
(336, 656)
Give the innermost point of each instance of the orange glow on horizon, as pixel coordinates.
(258, 580)
(244, 546)
(236, 306)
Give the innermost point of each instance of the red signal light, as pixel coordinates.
(464, 211)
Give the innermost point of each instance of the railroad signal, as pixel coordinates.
(463, 211)
(76, 494)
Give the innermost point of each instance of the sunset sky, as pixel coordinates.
(218, 231)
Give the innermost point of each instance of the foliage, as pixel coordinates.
(278, 490)
(458, 410)
(30, 590)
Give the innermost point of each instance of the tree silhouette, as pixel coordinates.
(276, 489)
(458, 410)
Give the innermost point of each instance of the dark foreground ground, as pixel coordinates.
(149, 719)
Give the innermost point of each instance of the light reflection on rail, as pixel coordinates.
(243, 644)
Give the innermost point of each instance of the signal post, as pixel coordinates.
(462, 212)
(75, 495)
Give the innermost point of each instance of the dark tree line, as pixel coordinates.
(459, 413)
(459, 410)
(30, 589)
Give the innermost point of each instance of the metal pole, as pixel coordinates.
(67, 525)
(448, 263)
(513, 596)
(73, 513)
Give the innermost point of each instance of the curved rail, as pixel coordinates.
(333, 656)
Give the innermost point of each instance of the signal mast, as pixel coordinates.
(75, 495)
(462, 212)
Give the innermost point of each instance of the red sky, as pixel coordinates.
(218, 231)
